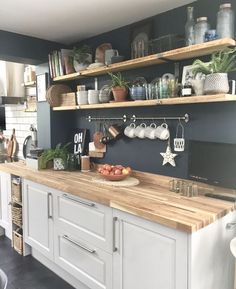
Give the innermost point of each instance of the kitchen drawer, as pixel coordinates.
(84, 219)
(89, 264)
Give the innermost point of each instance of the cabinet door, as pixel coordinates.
(148, 255)
(5, 207)
(37, 218)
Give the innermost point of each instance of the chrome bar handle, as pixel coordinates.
(92, 251)
(230, 226)
(50, 215)
(114, 248)
(79, 201)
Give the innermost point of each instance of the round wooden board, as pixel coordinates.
(128, 182)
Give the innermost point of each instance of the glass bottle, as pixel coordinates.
(225, 21)
(200, 29)
(189, 27)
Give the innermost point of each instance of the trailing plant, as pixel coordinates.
(58, 152)
(81, 54)
(223, 61)
(118, 80)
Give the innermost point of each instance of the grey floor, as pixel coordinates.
(26, 272)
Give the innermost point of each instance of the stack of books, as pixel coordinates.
(61, 62)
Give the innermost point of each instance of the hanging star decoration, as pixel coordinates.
(168, 157)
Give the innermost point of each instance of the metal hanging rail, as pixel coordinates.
(124, 118)
(134, 118)
(186, 118)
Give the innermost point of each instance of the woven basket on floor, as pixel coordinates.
(54, 93)
(18, 240)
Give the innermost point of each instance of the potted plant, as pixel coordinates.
(58, 155)
(216, 71)
(119, 87)
(82, 57)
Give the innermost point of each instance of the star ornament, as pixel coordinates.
(168, 157)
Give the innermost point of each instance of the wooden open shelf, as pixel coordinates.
(153, 102)
(172, 55)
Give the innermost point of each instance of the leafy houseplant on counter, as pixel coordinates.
(119, 87)
(82, 57)
(58, 155)
(216, 71)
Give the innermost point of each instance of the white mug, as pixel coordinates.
(129, 131)
(93, 96)
(82, 97)
(162, 132)
(109, 53)
(150, 131)
(140, 130)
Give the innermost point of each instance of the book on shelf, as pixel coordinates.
(60, 62)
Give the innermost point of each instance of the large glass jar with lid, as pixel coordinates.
(200, 29)
(225, 21)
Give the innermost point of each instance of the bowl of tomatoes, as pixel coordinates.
(114, 172)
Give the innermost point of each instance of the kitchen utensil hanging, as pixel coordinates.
(179, 141)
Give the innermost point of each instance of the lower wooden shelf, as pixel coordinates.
(153, 102)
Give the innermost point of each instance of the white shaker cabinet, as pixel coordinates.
(148, 255)
(5, 203)
(38, 217)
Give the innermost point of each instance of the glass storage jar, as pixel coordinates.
(189, 27)
(225, 21)
(200, 29)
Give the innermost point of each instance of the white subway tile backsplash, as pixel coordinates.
(17, 118)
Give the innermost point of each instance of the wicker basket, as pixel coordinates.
(16, 195)
(17, 214)
(18, 240)
(54, 93)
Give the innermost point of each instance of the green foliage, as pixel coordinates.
(81, 53)
(118, 80)
(50, 154)
(223, 61)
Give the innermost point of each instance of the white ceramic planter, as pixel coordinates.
(216, 83)
(81, 66)
(58, 164)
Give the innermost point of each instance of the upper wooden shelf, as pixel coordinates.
(172, 55)
(153, 102)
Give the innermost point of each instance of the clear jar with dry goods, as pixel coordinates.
(200, 29)
(225, 21)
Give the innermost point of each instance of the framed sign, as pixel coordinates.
(41, 86)
(80, 141)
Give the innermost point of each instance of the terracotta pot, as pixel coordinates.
(120, 93)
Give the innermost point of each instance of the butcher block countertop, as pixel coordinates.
(151, 199)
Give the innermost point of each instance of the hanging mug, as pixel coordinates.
(179, 142)
(130, 130)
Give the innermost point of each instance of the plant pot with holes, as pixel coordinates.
(82, 57)
(216, 71)
(58, 155)
(119, 87)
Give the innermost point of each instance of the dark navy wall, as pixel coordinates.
(208, 122)
(24, 49)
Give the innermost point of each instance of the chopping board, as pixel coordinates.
(128, 182)
(12, 144)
